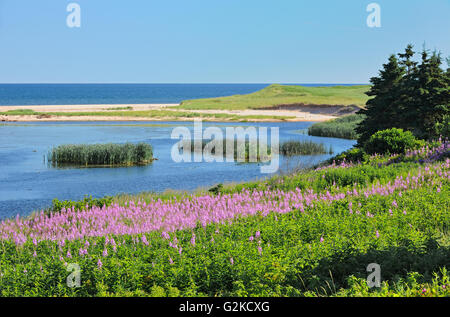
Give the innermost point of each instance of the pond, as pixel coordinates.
(28, 183)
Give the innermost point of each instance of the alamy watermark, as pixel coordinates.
(74, 18)
(74, 278)
(374, 18)
(239, 144)
(374, 278)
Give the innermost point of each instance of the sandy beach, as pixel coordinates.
(296, 114)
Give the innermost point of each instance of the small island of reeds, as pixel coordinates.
(295, 148)
(101, 154)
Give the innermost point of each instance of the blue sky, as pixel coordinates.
(211, 41)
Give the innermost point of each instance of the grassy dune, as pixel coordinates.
(282, 95)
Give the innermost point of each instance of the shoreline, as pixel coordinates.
(250, 115)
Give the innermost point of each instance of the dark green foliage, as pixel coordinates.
(344, 128)
(101, 154)
(292, 148)
(392, 141)
(381, 111)
(409, 95)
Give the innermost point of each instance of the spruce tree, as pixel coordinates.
(380, 112)
(432, 95)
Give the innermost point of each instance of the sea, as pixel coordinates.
(88, 94)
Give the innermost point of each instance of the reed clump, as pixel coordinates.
(293, 148)
(188, 145)
(101, 154)
(344, 128)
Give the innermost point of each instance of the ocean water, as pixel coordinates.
(85, 94)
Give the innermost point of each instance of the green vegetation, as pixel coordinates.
(19, 112)
(321, 248)
(85, 204)
(410, 95)
(189, 145)
(160, 114)
(392, 141)
(344, 128)
(275, 95)
(293, 148)
(101, 154)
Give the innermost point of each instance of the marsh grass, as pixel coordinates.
(343, 128)
(294, 148)
(188, 145)
(101, 154)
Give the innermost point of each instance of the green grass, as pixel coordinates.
(338, 128)
(281, 95)
(101, 154)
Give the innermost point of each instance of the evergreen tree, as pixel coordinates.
(380, 110)
(432, 95)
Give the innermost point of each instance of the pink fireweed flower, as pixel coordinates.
(170, 261)
(105, 253)
(377, 234)
(257, 234)
(144, 240)
(232, 261)
(322, 239)
(394, 203)
(34, 253)
(69, 255)
(193, 239)
(260, 250)
(99, 264)
(251, 238)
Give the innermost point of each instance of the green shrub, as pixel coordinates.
(392, 141)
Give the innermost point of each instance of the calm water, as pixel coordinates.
(27, 183)
(82, 94)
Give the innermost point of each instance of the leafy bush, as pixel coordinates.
(392, 141)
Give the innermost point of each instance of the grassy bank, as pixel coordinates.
(309, 234)
(150, 114)
(343, 128)
(101, 154)
(275, 95)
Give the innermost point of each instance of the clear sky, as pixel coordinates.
(212, 41)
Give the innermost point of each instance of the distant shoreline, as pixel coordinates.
(152, 112)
